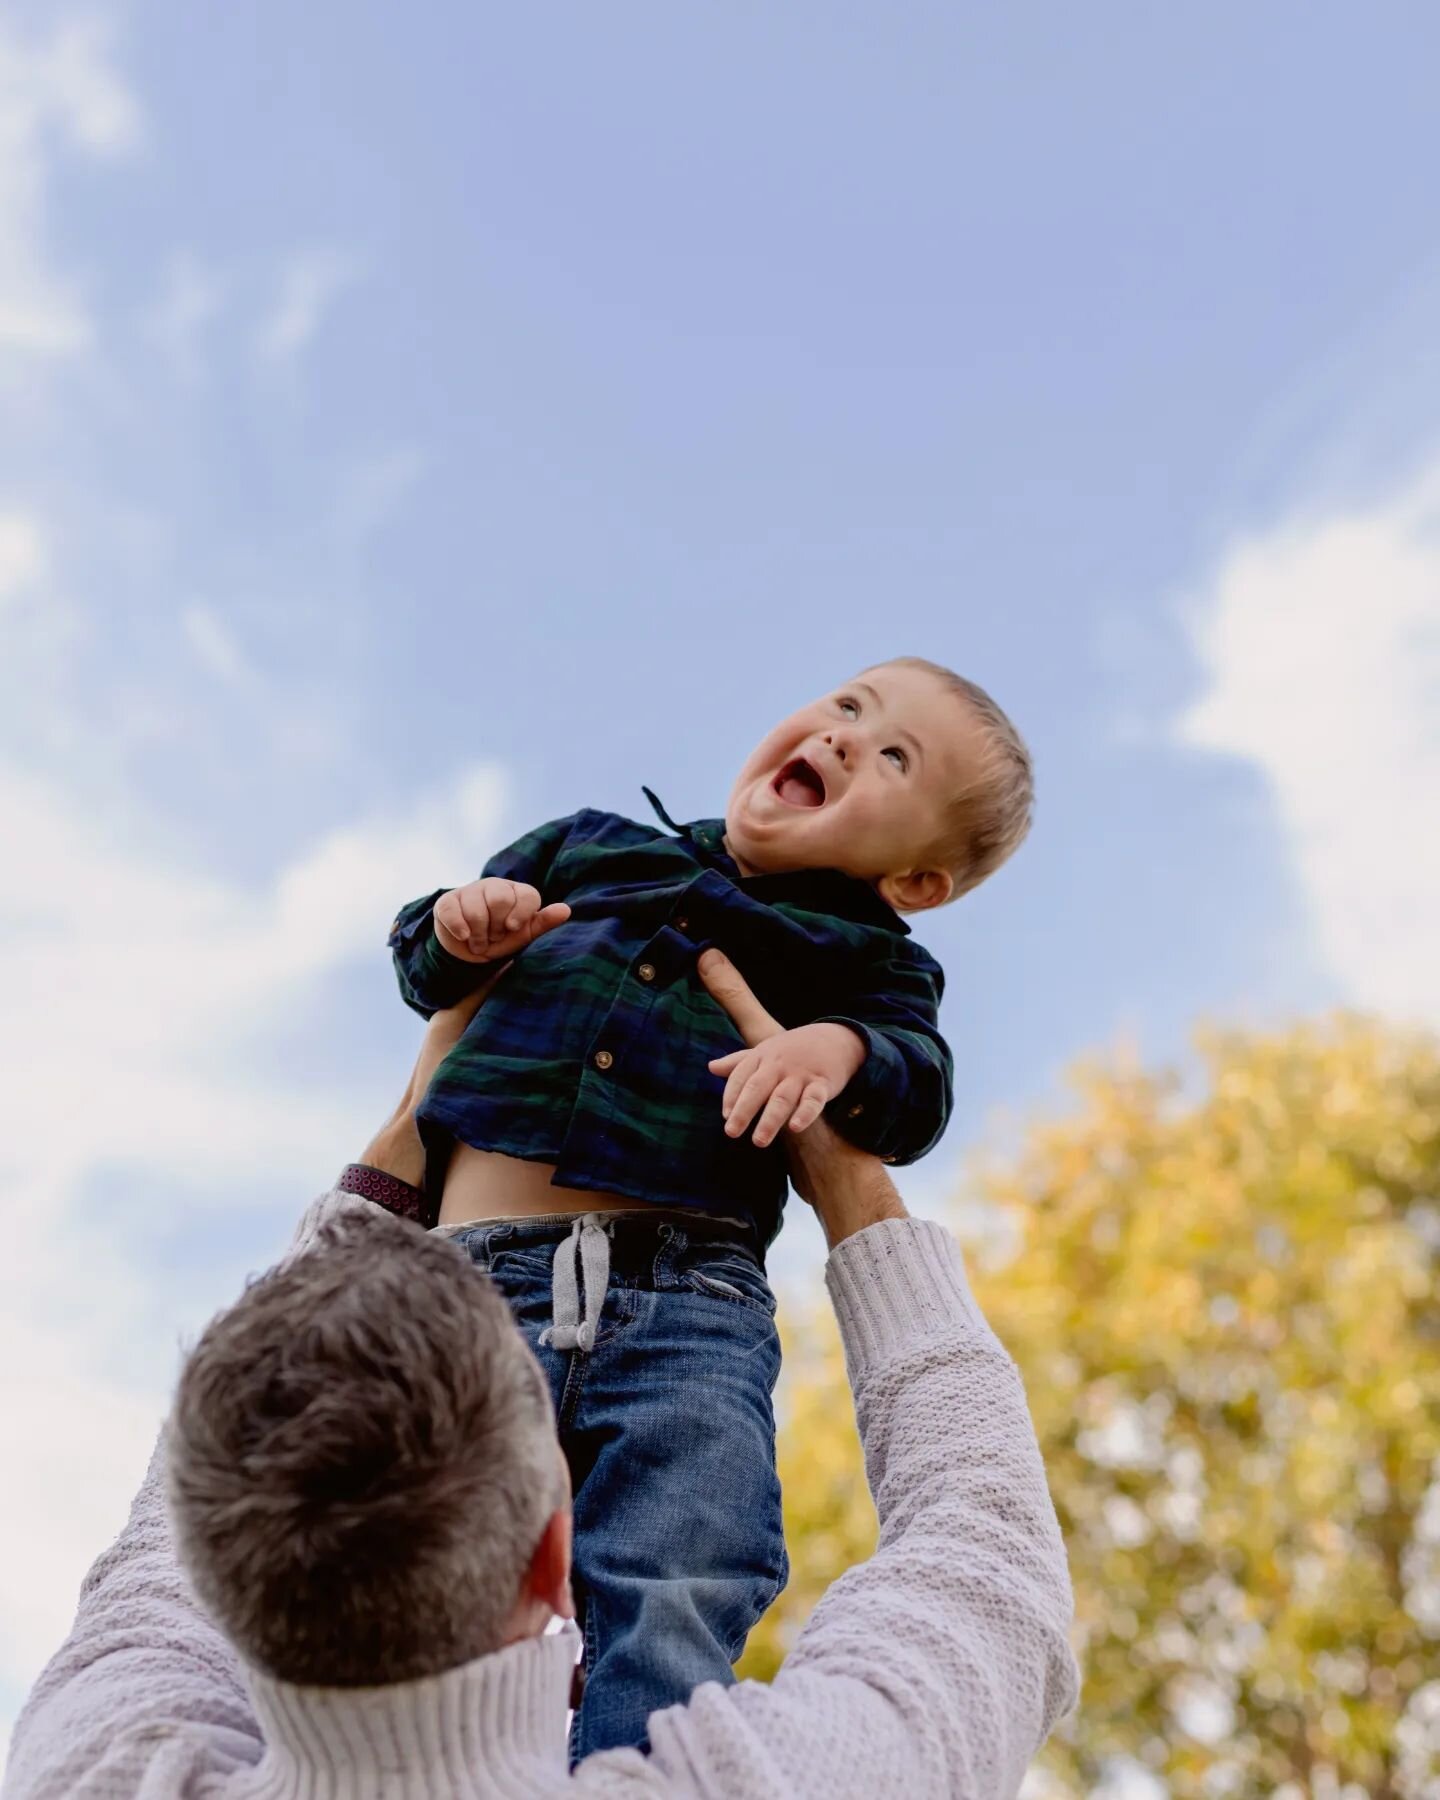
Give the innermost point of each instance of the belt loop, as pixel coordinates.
(664, 1271)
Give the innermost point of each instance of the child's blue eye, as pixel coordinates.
(848, 709)
(898, 757)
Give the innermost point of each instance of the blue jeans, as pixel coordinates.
(669, 1432)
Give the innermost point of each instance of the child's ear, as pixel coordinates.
(916, 891)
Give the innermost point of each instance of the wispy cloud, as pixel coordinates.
(373, 489)
(215, 647)
(148, 1000)
(310, 283)
(190, 296)
(144, 1002)
(1320, 642)
(147, 1005)
(64, 88)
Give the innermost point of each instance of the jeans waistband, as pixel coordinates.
(696, 1225)
(580, 1267)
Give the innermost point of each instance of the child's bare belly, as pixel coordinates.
(484, 1184)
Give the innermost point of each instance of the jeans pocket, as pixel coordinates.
(724, 1272)
(534, 1263)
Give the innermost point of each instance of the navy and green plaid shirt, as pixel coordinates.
(591, 1053)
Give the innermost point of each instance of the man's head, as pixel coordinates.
(909, 777)
(364, 1473)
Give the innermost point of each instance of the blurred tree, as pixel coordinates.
(1227, 1312)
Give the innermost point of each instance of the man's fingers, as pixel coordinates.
(812, 1103)
(778, 1109)
(731, 990)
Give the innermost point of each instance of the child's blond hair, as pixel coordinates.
(987, 820)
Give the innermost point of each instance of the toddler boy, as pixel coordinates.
(602, 1143)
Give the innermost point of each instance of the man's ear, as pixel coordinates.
(548, 1577)
(916, 891)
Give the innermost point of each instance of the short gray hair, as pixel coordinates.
(362, 1457)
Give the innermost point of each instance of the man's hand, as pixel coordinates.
(792, 1076)
(490, 919)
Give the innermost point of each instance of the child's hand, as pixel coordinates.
(793, 1076)
(490, 919)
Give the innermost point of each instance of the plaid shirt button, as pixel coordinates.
(603, 1059)
(854, 1112)
(646, 971)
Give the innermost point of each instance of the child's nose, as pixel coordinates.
(841, 742)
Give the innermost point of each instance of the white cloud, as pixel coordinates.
(1320, 640)
(66, 90)
(148, 1006)
(73, 79)
(23, 554)
(140, 997)
(144, 1005)
(310, 283)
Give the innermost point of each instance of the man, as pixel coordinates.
(368, 1496)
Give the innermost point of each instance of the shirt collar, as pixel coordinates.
(822, 890)
(493, 1726)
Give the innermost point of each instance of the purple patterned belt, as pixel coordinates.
(389, 1191)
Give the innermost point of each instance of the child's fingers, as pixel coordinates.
(449, 918)
(476, 920)
(547, 919)
(744, 1068)
(752, 1097)
(520, 902)
(723, 1065)
(812, 1103)
(778, 1109)
(504, 902)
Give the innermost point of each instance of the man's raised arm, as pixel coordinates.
(939, 1666)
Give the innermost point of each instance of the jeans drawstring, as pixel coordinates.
(584, 1256)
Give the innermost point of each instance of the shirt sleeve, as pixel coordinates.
(430, 977)
(899, 1103)
(145, 1695)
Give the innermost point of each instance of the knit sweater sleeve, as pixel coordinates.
(145, 1698)
(939, 1666)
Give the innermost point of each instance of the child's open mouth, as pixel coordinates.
(800, 784)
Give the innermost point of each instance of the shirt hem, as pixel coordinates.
(438, 1128)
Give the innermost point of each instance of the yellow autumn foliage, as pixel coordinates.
(1224, 1300)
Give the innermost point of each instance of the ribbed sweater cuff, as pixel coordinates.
(897, 1283)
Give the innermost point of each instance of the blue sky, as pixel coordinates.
(418, 428)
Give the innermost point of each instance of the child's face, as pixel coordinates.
(859, 781)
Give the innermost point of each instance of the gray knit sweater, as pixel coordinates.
(935, 1668)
